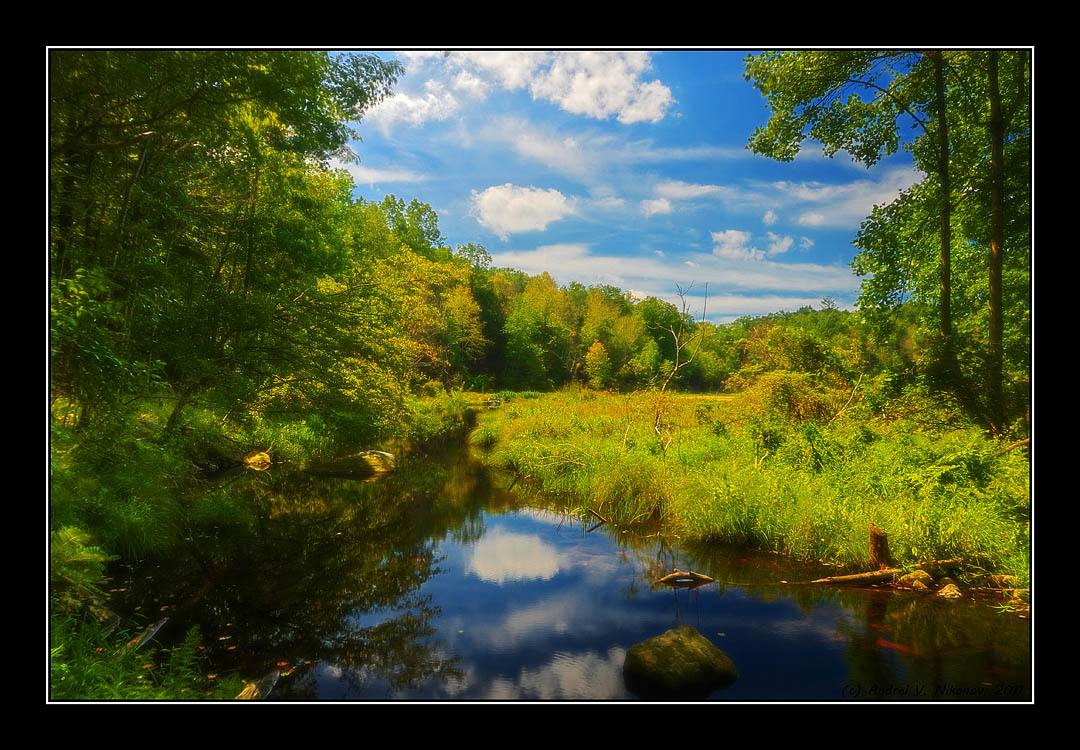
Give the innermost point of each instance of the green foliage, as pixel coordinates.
(598, 366)
(76, 566)
(958, 244)
(850, 100)
(89, 662)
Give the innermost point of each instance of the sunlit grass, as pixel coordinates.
(738, 469)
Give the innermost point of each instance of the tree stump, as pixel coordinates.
(879, 548)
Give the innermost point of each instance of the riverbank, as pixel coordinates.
(133, 493)
(806, 480)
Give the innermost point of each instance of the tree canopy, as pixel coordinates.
(958, 243)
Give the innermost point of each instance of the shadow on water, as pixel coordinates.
(435, 583)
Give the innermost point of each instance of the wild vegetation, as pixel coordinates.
(217, 288)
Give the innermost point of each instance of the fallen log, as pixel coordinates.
(888, 574)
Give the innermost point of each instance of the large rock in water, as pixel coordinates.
(359, 465)
(681, 663)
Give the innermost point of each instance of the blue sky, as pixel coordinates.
(622, 167)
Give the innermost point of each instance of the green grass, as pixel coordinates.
(770, 468)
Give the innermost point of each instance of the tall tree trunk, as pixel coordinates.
(997, 245)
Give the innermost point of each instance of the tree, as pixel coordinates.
(191, 214)
(539, 336)
(857, 100)
(598, 366)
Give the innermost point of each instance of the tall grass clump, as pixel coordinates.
(122, 488)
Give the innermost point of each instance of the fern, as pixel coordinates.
(75, 567)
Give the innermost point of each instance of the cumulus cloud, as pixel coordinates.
(769, 218)
(599, 84)
(510, 209)
(734, 244)
(602, 84)
(510, 69)
(433, 103)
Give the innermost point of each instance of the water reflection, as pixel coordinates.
(502, 556)
(436, 585)
(581, 676)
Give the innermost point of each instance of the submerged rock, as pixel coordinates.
(259, 461)
(681, 663)
(919, 580)
(949, 591)
(360, 465)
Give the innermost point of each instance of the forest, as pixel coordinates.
(217, 287)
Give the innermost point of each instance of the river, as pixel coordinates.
(440, 583)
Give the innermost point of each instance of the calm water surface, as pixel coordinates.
(436, 584)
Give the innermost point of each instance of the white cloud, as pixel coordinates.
(509, 209)
(657, 206)
(561, 153)
(847, 204)
(813, 219)
(434, 103)
(609, 203)
(471, 85)
(734, 244)
(510, 69)
(680, 190)
(363, 175)
(769, 218)
(601, 84)
(657, 273)
(778, 244)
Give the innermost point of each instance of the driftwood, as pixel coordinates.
(685, 579)
(149, 632)
(889, 574)
(887, 571)
(1003, 451)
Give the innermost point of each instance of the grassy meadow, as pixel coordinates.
(780, 466)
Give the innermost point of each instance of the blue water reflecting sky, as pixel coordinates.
(536, 609)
